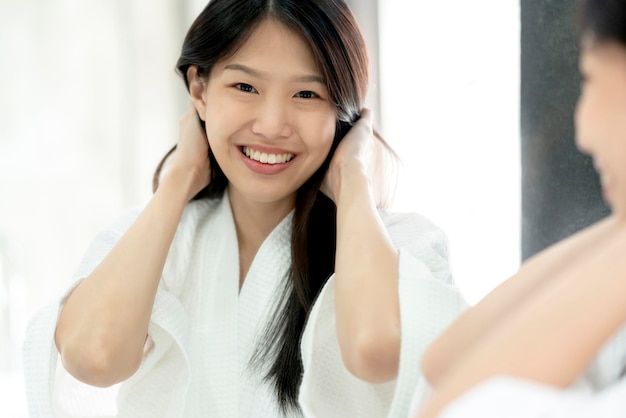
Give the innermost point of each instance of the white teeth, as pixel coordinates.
(267, 158)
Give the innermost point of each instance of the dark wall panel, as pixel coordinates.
(560, 189)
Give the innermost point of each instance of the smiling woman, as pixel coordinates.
(600, 118)
(261, 279)
(269, 98)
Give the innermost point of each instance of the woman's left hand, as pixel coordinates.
(355, 152)
(366, 263)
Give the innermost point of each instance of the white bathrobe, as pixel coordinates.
(600, 392)
(204, 330)
(505, 397)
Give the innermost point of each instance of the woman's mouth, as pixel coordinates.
(266, 158)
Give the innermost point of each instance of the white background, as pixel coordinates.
(449, 93)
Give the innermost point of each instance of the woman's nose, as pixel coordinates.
(272, 119)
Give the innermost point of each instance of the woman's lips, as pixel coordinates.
(265, 161)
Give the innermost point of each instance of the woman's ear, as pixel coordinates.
(197, 90)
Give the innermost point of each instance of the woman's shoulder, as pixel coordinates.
(418, 238)
(199, 209)
(194, 212)
(197, 216)
(412, 226)
(412, 219)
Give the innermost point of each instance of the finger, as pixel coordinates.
(367, 117)
(188, 114)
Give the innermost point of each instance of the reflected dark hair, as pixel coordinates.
(602, 20)
(338, 47)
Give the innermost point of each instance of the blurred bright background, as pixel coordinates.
(89, 102)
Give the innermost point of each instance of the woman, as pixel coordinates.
(261, 279)
(551, 341)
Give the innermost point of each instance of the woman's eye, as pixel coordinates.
(307, 94)
(246, 88)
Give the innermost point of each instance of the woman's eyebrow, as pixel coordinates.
(311, 78)
(245, 69)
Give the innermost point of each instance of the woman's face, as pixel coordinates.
(269, 120)
(601, 117)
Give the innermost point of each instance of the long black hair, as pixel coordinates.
(338, 47)
(602, 20)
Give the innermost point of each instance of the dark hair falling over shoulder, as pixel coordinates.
(337, 45)
(602, 20)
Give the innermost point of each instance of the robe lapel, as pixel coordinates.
(258, 299)
(216, 385)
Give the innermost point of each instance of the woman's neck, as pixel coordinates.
(254, 221)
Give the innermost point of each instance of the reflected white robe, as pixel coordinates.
(204, 329)
(600, 392)
(505, 397)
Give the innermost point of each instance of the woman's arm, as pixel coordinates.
(553, 336)
(366, 266)
(103, 325)
(472, 327)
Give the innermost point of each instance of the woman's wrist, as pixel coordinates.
(180, 184)
(351, 181)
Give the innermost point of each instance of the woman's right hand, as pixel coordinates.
(192, 153)
(102, 328)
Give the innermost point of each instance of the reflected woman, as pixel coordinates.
(551, 340)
